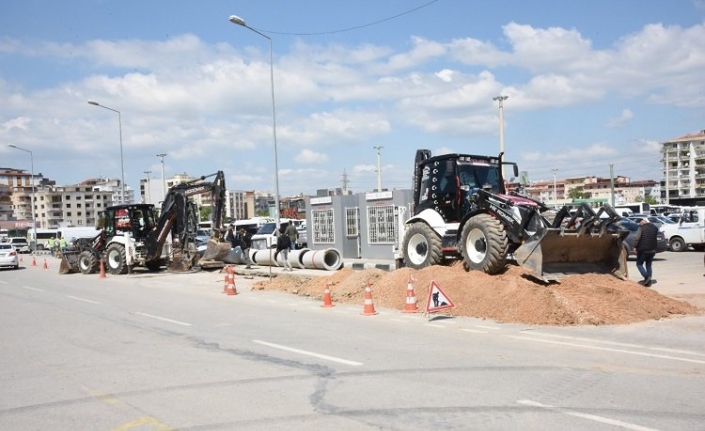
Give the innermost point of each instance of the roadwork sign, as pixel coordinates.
(437, 299)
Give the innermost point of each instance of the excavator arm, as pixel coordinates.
(179, 217)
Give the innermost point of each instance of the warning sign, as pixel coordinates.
(437, 300)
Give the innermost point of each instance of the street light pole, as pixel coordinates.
(501, 100)
(555, 196)
(379, 168)
(34, 221)
(122, 164)
(162, 155)
(241, 22)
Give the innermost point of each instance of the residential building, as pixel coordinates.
(684, 170)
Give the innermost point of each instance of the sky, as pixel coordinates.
(590, 84)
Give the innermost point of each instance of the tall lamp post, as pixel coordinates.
(162, 155)
(379, 168)
(241, 22)
(31, 157)
(501, 100)
(555, 196)
(122, 164)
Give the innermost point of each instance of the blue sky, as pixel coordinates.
(590, 83)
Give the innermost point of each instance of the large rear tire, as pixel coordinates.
(116, 259)
(88, 262)
(484, 244)
(421, 246)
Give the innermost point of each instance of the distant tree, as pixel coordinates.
(578, 193)
(651, 200)
(205, 212)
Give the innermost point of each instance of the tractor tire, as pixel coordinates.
(484, 244)
(88, 262)
(421, 246)
(116, 259)
(154, 265)
(677, 244)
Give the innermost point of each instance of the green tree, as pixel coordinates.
(205, 212)
(578, 193)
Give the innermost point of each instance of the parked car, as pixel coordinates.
(302, 240)
(8, 256)
(658, 220)
(633, 227)
(20, 244)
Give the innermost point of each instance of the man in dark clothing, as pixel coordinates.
(245, 244)
(230, 236)
(645, 246)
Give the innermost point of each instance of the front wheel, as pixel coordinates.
(421, 246)
(87, 262)
(484, 244)
(116, 259)
(677, 244)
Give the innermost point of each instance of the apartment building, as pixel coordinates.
(684, 170)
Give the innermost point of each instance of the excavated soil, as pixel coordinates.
(589, 299)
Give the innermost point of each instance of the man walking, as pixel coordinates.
(293, 235)
(645, 246)
(245, 244)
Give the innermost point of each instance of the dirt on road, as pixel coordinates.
(590, 299)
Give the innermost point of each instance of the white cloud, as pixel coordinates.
(308, 156)
(622, 119)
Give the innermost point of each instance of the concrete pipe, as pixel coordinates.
(266, 258)
(296, 258)
(328, 259)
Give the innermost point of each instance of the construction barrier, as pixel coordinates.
(411, 301)
(327, 302)
(369, 308)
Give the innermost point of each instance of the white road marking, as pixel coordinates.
(595, 418)
(82, 299)
(614, 343)
(608, 349)
(33, 288)
(476, 331)
(494, 328)
(305, 352)
(433, 325)
(164, 319)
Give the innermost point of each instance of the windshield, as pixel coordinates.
(478, 176)
(266, 229)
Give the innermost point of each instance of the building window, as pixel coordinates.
(68, 205)
(78, 214)
(323, 227)
(78, 198)
(382, 226)
(352, 221)
(78, 205)
(68, 214)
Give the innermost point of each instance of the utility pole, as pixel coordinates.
(555, 196)
(379, 168)
(162, 155)
(612, 184)
(345, 182)
(501, 100)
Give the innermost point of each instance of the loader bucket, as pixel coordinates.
(552, 254)
(69, 263)
(216, 250)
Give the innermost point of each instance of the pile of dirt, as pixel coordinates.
(592, 299)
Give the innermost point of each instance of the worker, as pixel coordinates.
(62, 244)
(50, 245)
(293, 234)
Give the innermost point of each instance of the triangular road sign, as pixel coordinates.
(437, 299)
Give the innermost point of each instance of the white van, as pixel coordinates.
(689, 231)
(624, 211)
(266, 235)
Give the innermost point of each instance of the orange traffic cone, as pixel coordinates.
(369, 309)
(411, 303)
(102, 269)
(21, 258)
(34, 261)
(230, 288)
(327, 303)
(226, 279)
(45, 266)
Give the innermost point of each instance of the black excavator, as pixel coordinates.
(133, 236)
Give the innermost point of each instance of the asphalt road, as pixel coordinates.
(172, 352)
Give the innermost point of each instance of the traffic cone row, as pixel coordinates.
(230, 281)
(369, 309)
(411, 302)
(327, 303)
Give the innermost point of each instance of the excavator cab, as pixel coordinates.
(137, 219)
